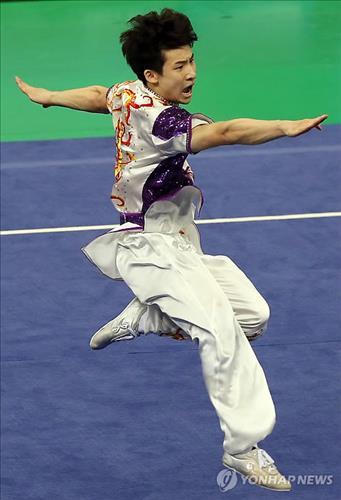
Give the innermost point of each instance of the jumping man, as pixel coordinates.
(180, 291)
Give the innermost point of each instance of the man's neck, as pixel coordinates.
(157, 94)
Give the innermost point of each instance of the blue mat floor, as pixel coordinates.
(134, 420)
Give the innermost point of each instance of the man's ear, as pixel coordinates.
(151, 76)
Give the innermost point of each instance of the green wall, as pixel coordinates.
(260, 59)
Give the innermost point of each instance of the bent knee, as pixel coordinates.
(262, 313)
(258, 321)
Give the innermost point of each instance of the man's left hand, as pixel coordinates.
(298, 127)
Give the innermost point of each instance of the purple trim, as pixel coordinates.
(202, 199)
(203, 117)
(165, 180)
(134, 217)
(189, 138)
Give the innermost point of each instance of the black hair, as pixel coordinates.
(151, 33)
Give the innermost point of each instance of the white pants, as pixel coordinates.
(215, 304)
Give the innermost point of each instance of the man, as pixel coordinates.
(180, 291)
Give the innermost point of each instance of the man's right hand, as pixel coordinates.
(38, 95)
(92, 99)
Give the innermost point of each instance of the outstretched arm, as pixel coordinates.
(249, 131)
(91, 99)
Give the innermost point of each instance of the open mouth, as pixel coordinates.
(187, 91)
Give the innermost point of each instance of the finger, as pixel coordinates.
(321, 119)
(310, 123)
(24, 87)
(21, 84)
(19, 80)
(315, 123)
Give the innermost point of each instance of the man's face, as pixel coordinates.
(178, 75)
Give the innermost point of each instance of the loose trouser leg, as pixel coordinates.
(251, 310)
(158, 272)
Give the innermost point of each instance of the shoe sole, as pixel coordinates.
(253, 483)
(116, 339)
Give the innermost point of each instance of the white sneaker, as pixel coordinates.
(123, 327)
(259, 468)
